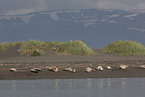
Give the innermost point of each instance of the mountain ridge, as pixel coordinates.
(95, 27)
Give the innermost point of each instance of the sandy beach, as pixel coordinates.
(6, 75)
(12, 59)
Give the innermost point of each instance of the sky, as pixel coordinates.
(12, 7)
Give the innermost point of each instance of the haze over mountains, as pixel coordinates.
(95, 27)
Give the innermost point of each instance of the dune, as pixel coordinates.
(11, 58)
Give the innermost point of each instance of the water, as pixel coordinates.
(109, 87)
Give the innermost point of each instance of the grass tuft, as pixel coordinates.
(37, 52)
(74, 48)
(29, 46)
(125, 48)
(49, 45)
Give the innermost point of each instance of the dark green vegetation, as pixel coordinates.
(37, 52)
(77, 47)
(74, 48)
(125, 48)
(38, 48)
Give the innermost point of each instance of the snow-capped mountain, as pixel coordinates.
(95, 27)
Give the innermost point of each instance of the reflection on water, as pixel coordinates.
(13, 84)
(109, 87)
(67, 83)
(89, 83)
(56, 83)
(123, 82)
(108, 83)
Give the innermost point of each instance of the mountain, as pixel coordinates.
(95, 27)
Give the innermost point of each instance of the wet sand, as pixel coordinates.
(68, 75)
(23, 72)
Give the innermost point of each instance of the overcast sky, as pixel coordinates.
(11, 7)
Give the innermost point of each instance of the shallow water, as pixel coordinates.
(109, 87)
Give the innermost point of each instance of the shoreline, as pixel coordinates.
(68, 75)
(23, 72)
(23, 64)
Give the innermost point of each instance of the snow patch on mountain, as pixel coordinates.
(104, 20)
(138, 29)
(72, 11)
(112, 21)
(25, 18)
(94, 20)
(130, 16)
(54, 16)
(89, 22)
(74, 17)
(7, 17)
(115, 15)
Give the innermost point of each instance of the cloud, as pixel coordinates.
(121, 4)
(140, 6)
(21, 6)
(69, 4)
(26, 6)
(105, 4)
(112, 5)
(20, 11)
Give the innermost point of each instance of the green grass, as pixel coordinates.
(77, 47)
(49, 45)
(74, 48)
(26, 47)
(125, 48)
(37, 48)
(36, 52)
